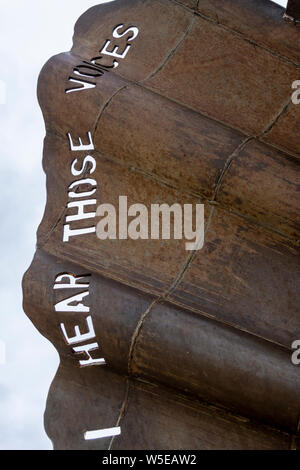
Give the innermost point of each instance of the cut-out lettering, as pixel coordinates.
(74, 305)
(81, 146)
(85, 85)
(88, 166)
(79, 188)
(134, 30)
(73, 282)
(68, 232)
(66, 305)
(81, 214)
(77, 184)
(79, 337)
(101, 433)
(94, 68)
(86, 351)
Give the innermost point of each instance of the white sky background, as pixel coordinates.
(31, 31)
(283, 3)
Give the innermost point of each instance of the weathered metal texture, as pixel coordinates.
(155, 418)
(197, 346)
(258, 21)
(201, 356)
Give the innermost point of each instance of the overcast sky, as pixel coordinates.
(283, 3)
(31, 31)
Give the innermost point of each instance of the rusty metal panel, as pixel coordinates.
(189, 3)
(82, 400)
(246, 277)
(211, 357)
(193, 349)
(169, 146)
(285, 132)
(224, 84)
(163, 25)
(217, 362)
(248, 187)
(259, 21)
(119, 259)
(156, 418)
(165, 421)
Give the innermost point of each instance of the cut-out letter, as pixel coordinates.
(80, 205)
(86, 350)
(81, 146)
(73, 282)
(65, 305)
(84, 85)
(79, 337)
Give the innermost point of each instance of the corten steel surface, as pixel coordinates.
(197, 345)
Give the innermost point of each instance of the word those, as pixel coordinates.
(81, 191)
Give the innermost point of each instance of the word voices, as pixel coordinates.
(80, 341)
(85, 73)
(160, 222)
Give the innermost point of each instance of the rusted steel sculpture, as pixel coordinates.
(172, 101)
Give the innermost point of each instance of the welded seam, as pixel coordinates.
(145, 315)
(229, 324)
(134, 339)
(192, 256)
(137, 332)
(237, 151)
(164, 296)
(171, 53)
(250, 41)
(256, 222)
(225, 170)
(275, 120)
(227, 165)
(189, 259)
(43, 242)
(184, 191)
(122, 411)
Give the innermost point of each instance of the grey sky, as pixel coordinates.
(283, 3)
(31, 31)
